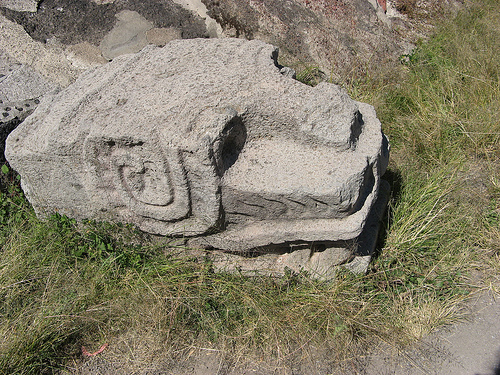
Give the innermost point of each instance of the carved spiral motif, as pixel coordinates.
(149, 179)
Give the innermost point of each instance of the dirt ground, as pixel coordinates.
(471, 347)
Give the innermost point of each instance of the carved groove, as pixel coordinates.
(150, 181)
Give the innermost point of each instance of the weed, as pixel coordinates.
(311, 76)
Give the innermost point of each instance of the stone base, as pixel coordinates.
(368, 239)
(318, 260)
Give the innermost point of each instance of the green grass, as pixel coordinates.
(65, 284)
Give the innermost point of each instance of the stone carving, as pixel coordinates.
(209, 139)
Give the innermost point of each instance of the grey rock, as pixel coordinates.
(19, 83)
(128, 35)
(207, 138)
(11, 115)
(20, 90)
(342, 38)
(23, 83)
(20, 5)
(288, 72)
(337, 36)
(76, 21)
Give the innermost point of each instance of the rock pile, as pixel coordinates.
(341, 38)
(209, 139)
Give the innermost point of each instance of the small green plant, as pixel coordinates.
(311, 76)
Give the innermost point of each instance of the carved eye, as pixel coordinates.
(232, 141)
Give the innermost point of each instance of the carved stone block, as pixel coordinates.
(207, 139)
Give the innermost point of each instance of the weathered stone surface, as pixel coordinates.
(341, 37)
(207, 138)
(20, 88)
(85, 55)
(338, 36)
(20, 82)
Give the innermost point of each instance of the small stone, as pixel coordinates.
(24, 83)
(85, 55)
(128, 35)
(21, 5)
(11, 115)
